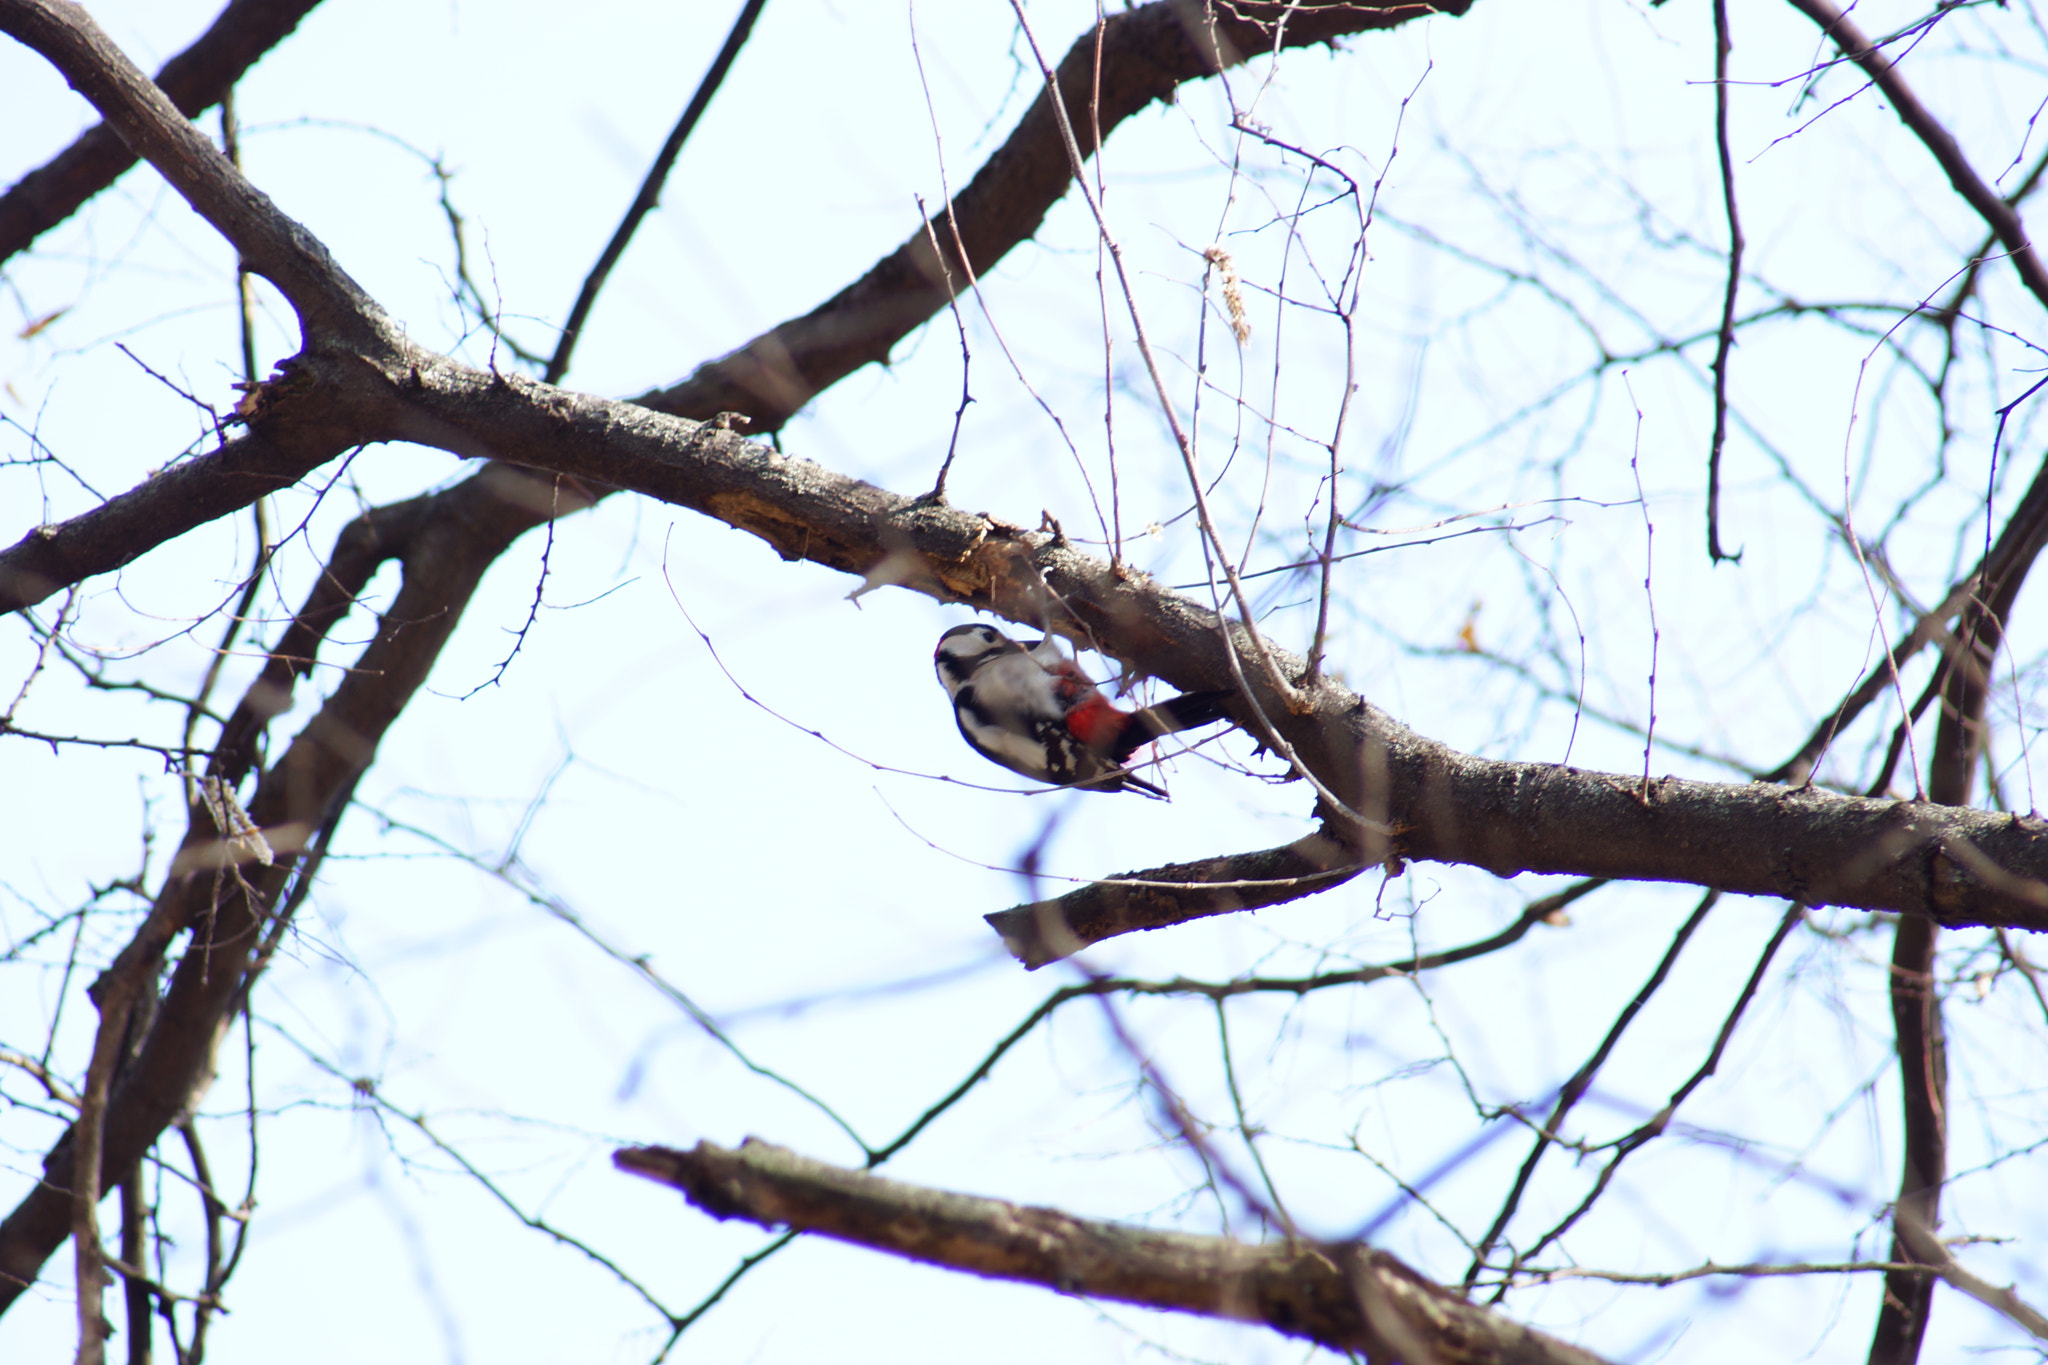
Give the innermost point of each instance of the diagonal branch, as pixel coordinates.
(1344, 1296)
(328, 302)
(1121, 65)
(1552, 1129)
(999, 210)
(650, 189)
(304, 791)
(1956, 865)
(195, 80)
(1659, 1123)
(2011, 558)
(2002, 217)
(304, 425)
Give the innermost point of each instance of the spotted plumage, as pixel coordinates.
(1031, 709)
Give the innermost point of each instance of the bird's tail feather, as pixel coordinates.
(1184, 712)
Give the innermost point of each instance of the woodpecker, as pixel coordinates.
(1031, 709)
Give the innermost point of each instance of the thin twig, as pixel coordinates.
(1661, 1120)
(1212, 541)
(650, 189)
(245, 301)
(938, 492)
(1582, 1080)
(1726, 341)
(1649, 574)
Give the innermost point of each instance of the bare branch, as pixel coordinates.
(2002, 217)
(1755, 1270)
(301, 794)
(194, 80)
(1955, 865)
(1047, 931)
(1581, 1081)
(302, 428)
(1726, 340)
(1902, 1313)
(650, 189)
(328, 302)
(1144, 54)
(1345, 1296)
(1930, 1251)
(1753, 838)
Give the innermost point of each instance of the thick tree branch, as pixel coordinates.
(1953, 865)
(303, 792)
(1345, 1296)
(1956, 866)
(195, 80)
(302, 423)
(1001, 208)
(330, 305)
(1134, 58)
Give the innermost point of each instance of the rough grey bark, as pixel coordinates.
(195, 80)
(1345, 1296)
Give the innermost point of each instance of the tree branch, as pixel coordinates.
(1001, 208)
(1965, 683)
(330, 305)
(194, 80)
(1930, 1251)
(1116, 69)
(1884, 73)
(1344, 1296)
(1047, 931)
(1957, 866)
(1902, 1313)
(302, 792)
(650, 189)
(301, 424)
(1725, 342)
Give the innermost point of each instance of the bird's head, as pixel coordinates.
(963, 649)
